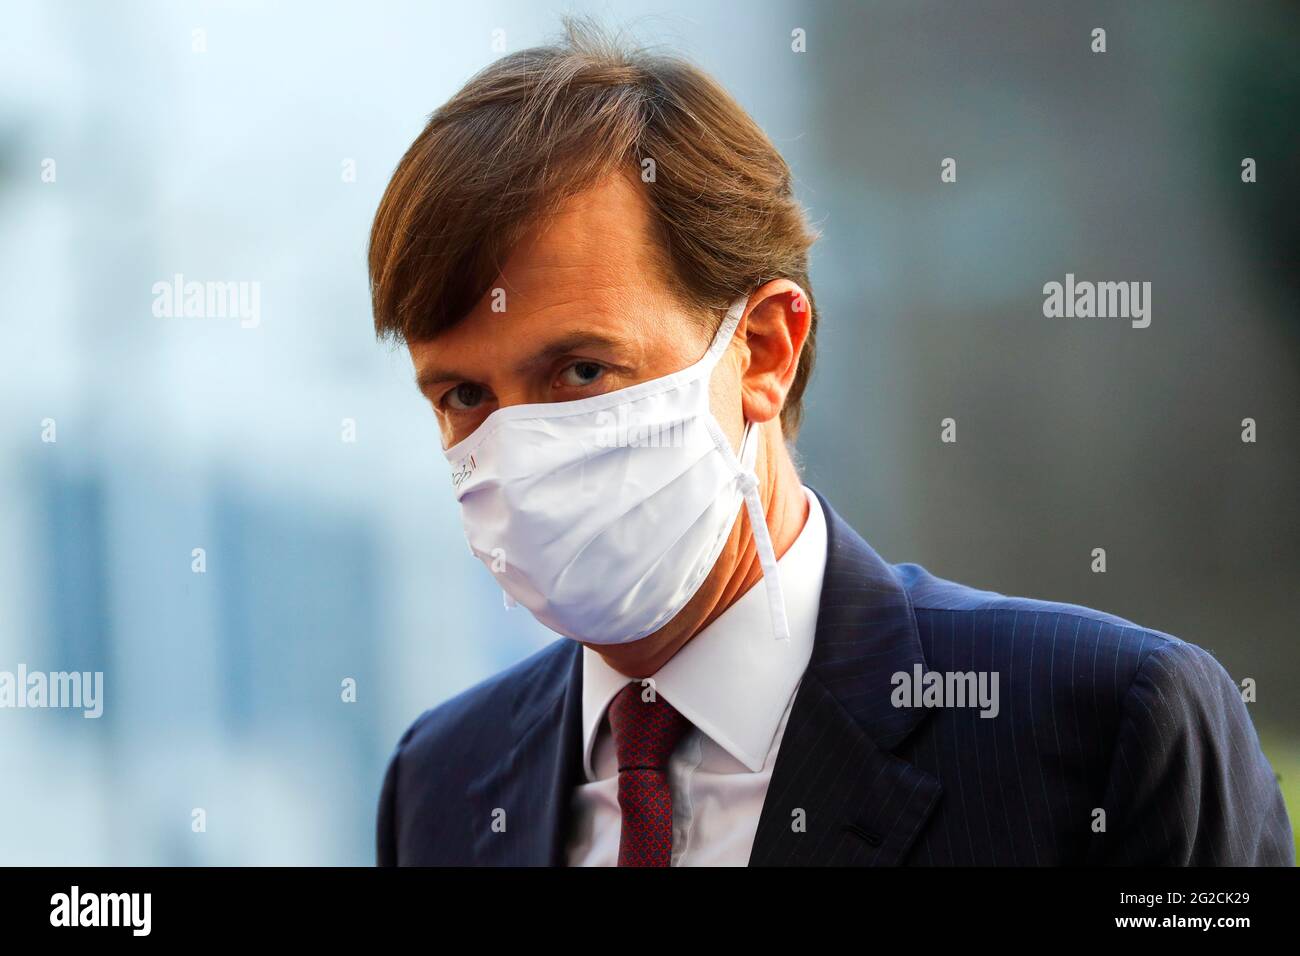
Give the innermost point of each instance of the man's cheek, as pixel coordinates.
(724, 399)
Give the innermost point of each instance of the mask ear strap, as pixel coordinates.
(725, 331)
(762, 536)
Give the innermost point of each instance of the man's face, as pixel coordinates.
(587, 310)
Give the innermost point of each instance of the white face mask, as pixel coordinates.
(603, 516)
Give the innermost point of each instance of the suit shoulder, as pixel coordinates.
(1078, 639)
(469, 722)
(449, 746)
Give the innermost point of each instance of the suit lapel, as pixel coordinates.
(530, 790)
(839, 795)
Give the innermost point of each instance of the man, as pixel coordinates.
(596, 261)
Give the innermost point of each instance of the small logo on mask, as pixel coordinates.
(462, 471)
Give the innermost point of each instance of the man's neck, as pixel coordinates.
(737, 569)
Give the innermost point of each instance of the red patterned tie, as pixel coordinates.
(645, 733)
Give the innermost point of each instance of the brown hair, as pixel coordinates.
(538, 126)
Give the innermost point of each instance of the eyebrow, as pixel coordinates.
(574, 342)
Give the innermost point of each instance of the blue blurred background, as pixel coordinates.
(250, 142)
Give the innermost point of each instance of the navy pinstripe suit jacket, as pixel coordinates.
(1112, 744)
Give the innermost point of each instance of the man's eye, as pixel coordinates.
(580, 374)
(464, 396)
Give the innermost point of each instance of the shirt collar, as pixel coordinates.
(732, 680)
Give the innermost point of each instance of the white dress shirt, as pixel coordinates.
(736, 684)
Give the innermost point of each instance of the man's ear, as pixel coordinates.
(775, 326)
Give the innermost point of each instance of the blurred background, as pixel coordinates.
(250, 142)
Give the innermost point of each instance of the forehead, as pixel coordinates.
(599, 243)
(595, 265)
